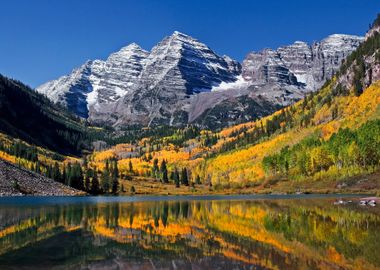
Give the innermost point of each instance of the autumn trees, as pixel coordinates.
(345, 149)
(161, 172)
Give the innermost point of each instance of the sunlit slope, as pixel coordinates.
(246, 164)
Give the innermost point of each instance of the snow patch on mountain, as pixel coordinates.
(240, 83)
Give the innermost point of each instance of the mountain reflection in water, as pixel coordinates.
(194, 234)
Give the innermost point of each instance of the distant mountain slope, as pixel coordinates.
(292, 71)
(180, 82)
(30, 116)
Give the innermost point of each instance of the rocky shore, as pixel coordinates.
(15, 181)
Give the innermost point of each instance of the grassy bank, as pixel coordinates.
(363, 184)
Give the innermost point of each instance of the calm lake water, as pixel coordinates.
(229, 232)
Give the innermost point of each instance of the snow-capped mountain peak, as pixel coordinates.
(98, 82)
(181, 79)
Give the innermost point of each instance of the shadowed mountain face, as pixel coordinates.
(266, 234)
(179, 81)
(31, 117)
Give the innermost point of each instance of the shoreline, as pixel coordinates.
(62, 200)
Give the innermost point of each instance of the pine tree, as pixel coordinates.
(56, 173)
(87, 181)
(155, 169)
(176, 178)
(115, 169)
(164, 172)
(68, 175)
(105, 179)
(63, 176)
(85, 162)
(197, 180)
(95, 187)
(184, 177)
(115, 178)
(38, 169)
(171, 177)
(77, 177)
(130, 166)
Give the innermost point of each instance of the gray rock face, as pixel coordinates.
(97, 82)
(177, 68)
(286, 74)
(183, 81)
(370, 64)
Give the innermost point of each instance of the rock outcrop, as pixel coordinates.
(288, 73)
(16, 181)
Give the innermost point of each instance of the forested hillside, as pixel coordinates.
(29, 116)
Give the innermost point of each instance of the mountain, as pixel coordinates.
(33, 118)
(288, 73)
(177, 68)
(183, 81)
(97, 82)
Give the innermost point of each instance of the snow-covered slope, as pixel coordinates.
(183, 81)
(97, 82)
(177, 68)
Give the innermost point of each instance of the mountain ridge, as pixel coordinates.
(163, 86)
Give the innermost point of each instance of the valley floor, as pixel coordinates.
(15, 181)
(364, 184)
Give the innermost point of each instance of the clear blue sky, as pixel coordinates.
(41, 40)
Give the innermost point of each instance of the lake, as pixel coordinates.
(203, 232)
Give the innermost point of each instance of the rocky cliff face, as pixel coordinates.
(288, 73)
(362, 67)
(177, 68)
(181, 81)
(97, 82)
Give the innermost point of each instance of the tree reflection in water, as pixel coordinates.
(266, 234)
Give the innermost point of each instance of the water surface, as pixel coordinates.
(179, 232)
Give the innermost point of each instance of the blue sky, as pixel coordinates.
(41, 40)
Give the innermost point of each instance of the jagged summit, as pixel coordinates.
(180, 34)
(98, 82)
(174, 83)
(287, 73)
